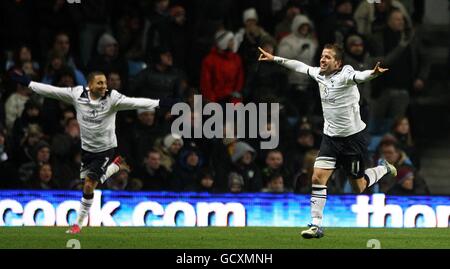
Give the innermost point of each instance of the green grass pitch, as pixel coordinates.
(222, 238)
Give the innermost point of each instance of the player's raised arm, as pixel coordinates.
(291, 64)
(62, 94)
(123, 102)
(363, 76)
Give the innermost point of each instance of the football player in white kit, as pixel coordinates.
(345, 138)
(96, 108)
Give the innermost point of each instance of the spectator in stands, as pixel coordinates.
(144, 133)
(56, 62)
(408, 181)
(371, 17)
(108, 58)
(206, 182)
(283, 28)
(22, 55)
(304, 142)
(15, 104)
(302, 179)
(249, 38)
(130, 29)
(53, 109)
(160, 79)
(276, 184)
(188, 169)
(300, 45)
(266, 79)
(402, 132)
(30, 115)
(235, 183)
(153, 176)
(65, 148)
(179, 39)
(43, 179)
(335, 28)
(41, 155)
(407, 74)
(23, 154)
(169, 149)
(95, 18)
(274, 163)
(243, 159)
(62, 46)
(158, 22)
(222, 72)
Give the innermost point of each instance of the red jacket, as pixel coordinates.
(222, 74)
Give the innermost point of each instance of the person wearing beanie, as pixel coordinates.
(108, 58)
(222, 72)
(243, 159)
(169, 149)
(249, 38)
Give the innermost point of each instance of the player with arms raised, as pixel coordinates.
(96, 108)
(345, 138)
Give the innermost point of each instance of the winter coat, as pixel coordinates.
(222, 75)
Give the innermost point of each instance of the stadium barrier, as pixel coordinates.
(117, 208)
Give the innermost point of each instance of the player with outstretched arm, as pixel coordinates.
(96, 108)
(345, 137)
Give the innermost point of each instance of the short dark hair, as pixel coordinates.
(93, 74)
(338, 51)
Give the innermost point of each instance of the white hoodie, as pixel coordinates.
(291, 47)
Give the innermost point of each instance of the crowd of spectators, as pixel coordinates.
(169, 48)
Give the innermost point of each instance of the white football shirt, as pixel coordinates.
(97, 118)
(339, 95)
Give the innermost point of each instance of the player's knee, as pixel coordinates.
(89, 186)
(316, 180)
(359, 186)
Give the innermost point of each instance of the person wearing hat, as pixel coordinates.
(169, 148)
(188, 169)
(222, 72)
(243, 159)
(248, 38)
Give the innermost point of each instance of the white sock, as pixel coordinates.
(84, 210)
(111, 170)
(318, 200)
(375, 174)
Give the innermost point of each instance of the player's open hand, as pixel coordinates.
(265, 56)
(378, 70)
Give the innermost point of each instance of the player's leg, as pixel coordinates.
(323, 169)
(93, 169)
(373, 175)
(318, 200)
(355, 164)
(117, 164)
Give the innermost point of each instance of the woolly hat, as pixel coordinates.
(223, 38)
(250, 14)
(171, 138)
(240, 149)
(105, 40)
(354, 39)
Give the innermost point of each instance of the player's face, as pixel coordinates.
(98, 86)
(328, 62)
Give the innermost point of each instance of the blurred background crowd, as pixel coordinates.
(169, 48)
